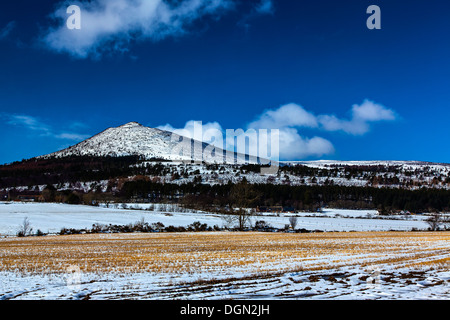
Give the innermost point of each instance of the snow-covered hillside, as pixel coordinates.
(127, 140)
(176, 167)
(134, 139)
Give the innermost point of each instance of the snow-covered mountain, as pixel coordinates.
(134, 139)
(152, 145)
(127, 140)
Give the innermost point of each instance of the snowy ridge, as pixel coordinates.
(336, 163)
(134, 139)
(127, 140)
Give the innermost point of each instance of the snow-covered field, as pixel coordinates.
(219, 265)
(52, 217)
(338, 284)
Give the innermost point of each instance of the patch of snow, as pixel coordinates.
(52, 217)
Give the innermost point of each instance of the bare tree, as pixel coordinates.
(243, 196)
(435, 221)
(228, 221)
(25, 228)
(446, 221)
(293, 221)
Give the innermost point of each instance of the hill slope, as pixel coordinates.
(134, 139)
(131, 139)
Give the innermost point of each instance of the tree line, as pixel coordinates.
(56, 171)
(309, 198)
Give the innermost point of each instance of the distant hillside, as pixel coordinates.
(136, 163)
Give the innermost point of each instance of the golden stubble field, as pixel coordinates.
(250, 252)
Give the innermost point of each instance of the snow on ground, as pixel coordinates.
(382, 282)
(52, 217)
(345, 283)
(337, 277)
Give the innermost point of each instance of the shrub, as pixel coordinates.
(39, 233)
(262, 225)
(72, 198)
(175, 229)
(158, 226)
(197, 226)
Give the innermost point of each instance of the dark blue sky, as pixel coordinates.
(231, 66)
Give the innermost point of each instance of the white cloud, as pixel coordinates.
(112, 24)
(192, 130)
(78, 125)
(34, 124)
(261, 8)
(265, 7)
(332, 123)
(371, 111)
(362, 116)
(287, 119)
(71, 136)
(26, 121)
(293, 146)
(290, 118)
(7, 30)
(289, 115)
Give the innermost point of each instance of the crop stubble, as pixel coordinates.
(248, 252)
